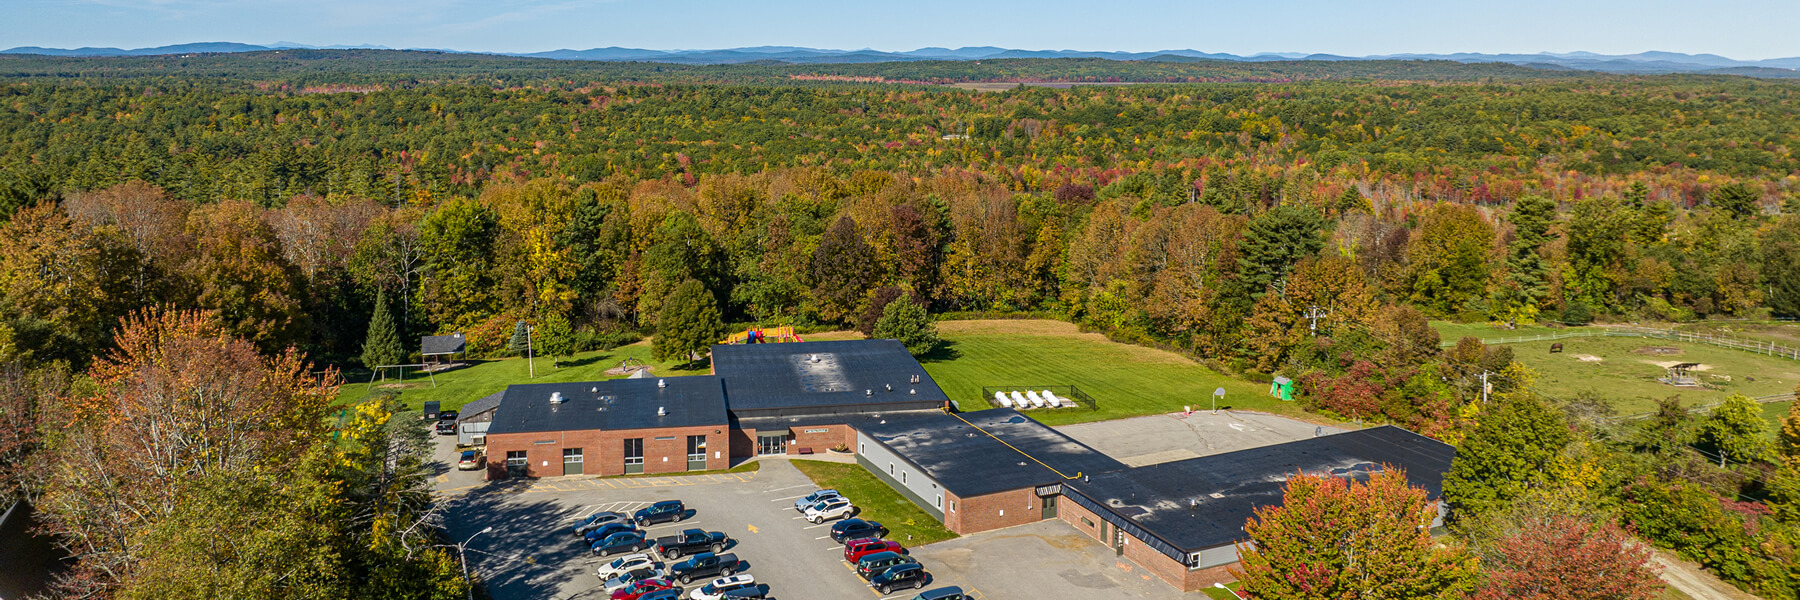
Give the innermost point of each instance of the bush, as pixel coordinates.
(1577, 313)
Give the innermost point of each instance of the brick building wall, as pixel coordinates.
(992, 511)
(1168, 569)
(820, 438)
(603, 451)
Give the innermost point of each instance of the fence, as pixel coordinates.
(1711, 405)
(1747, 345)
(1063, 392)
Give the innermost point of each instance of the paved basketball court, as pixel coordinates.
(1156, 439)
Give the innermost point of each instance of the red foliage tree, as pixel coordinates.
(1563, 557)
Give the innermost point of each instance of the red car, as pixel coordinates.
(631, 592)
(854, 551)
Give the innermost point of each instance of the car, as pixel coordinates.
(908, 575)
(596, 520)
(448, 415)
(943, 593)
(446, 427)
(814, 498)
(717, 588)
(661, 512)
(668, 594)
(855, 529)
(829, 508)
(624, 541)
(625, 564)
(641, 588)
(469, 461)
(756, 592)
(702, 565)
(879, 562)
(600, 533)
(855, 550)
(691, 541)
(626, 579)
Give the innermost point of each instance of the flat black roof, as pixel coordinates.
(858, 421)
(799, 378)
(613, 404)
(1175, 501)
(968, 462)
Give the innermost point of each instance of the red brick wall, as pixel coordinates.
(993, 511)
(820, 442)
(1168, 569)
(743, 442)
(603, 452)
(1073, 514)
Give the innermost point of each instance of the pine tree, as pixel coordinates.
(382, 345)
(1508, 454)
(688, 324)
(520, 342)
(1331, 538)
(1274, 242)
(904, 319)
(556, 338)
(1531, 217)
(1735, 431)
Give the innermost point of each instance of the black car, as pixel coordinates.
(624, 541)
(691, 541)
(852, 529)
(880, 562)
(661, 512)
(755, 592)
(600, 533)
(704, 564)
(446, 427)
(903, 576)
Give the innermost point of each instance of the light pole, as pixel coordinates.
(1217, 394)
(1233, 592)
(462, 554)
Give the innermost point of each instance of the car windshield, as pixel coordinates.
(468, 455)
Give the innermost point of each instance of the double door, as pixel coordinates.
(774, 443)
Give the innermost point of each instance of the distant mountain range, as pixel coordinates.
(1643, 62)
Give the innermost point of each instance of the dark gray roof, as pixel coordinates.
(612, 404)
(970, 463)
(858, 421)
(1173, 501)
(481, 405)
(441, 344)
(850, 376)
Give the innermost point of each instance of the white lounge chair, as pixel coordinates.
(1054, 401)
(1036, 400)
(1020, 401)
(1001, 398)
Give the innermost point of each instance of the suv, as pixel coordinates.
(469, 461)
(880, 562)
(829, 508)
(624, 541)
(626, 564)
(855, 550)
(596, 521)
(852, 529)
(814, 498)
(629, 578)
(446, 427)
(718, 587)
(943, 593)
(661, 512)
(908, 575)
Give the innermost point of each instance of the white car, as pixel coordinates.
(625, 564)
(814, 498)
(718, 587)
(830, 508)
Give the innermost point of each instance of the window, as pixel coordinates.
(952, 506)
(634, 455)
(890, 468)
(1085, 521)
(862, 448)
(903, 477)
(517, 465)
(1193, 560)
(696, 452)
(940, 500)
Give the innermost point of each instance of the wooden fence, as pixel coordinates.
(1766, 348)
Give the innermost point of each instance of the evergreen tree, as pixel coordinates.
(520, 342)
(382, 345)
(1274, 242)
(1344, 540)
(904, 319)
(1508, 454)
(1735, 431)
(683, 251)
(1735, 198)
(598, 239)
(688, 324)
(844, 269)
(556, 338)
(1531, 217)
(1781, 254)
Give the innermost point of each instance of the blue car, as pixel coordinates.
(602, 531)
(814, 498)
(661, 512)
(594, 521)
(624, 541)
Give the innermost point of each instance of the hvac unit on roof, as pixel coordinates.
(662, 383)
(662, 412)
(813, 358)
(868, 392)
(556, 398)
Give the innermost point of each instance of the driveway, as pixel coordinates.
(1042, 560)
(1156, 439)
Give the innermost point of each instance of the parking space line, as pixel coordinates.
(789, 498)
(790, 487)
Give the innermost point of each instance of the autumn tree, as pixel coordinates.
(682, 251)
(875, 306)
(556, 338)
(1449, 257)
(1539, 551)
(72, 281)
(1735, 431)
(904, 319)
(844, 269)
(1331, 287)
(1406, 335)
(1333, 538)
(1509, 453)
(688, 325)
(457, 246)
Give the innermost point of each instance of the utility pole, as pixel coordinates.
(1315, 313)
(530, 359)
(1486, 388)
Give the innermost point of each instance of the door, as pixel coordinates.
(572, 461)
(771, 444)
(1049, 506)
(634, 456)
(696, 452)
(1118, 542)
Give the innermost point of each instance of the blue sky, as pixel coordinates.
(1742, 29)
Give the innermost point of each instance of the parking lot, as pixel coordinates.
(1156, 439)
(531, 554)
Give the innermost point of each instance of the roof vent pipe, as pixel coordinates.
(556, 398)
(913, 391)
(662, 412)
(662, 383)
(890, 387)
(868, 392)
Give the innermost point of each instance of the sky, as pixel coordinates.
(1740, 29)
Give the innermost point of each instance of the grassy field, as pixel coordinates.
(1624, 370)
(458, 387)
(1782, 333)
(906, 522)
(1451, 332)
(1124, 380)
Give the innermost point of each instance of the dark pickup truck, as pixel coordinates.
(692, 541)
(704, 564)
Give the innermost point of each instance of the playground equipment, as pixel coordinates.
(766, 335)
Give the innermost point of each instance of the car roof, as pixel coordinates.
(898, 569)
(882, 555)
(738, 578)
(943, 592)
(667, 503)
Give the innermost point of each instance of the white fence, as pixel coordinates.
(1766, 348)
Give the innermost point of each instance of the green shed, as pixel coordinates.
(1282, 388)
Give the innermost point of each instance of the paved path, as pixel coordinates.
(1696, 583)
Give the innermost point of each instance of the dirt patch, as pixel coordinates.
(396, 386)
(617, 371)
(1657, 351)
(1587, 358)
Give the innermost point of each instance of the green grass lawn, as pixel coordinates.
(1218, 594)
(1124, 380)
(906, 522)
(1782, 333)
(1451, 332)
(1629, 379)
(458, 387)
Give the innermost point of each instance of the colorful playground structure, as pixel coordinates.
(765, 335)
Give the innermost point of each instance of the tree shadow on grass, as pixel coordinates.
(581, 362)
(944, 352)
(531, 553)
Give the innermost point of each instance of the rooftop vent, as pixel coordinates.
(868, 392)
(556, 398)
(1216, 495)
(662, 412)
(593, 390)
(813, 358)
(915, 379)
(662, 383)
(1193, 502)
(890, 387)
(913, 391)
(1021, 463)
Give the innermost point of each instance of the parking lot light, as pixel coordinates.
(1233, 592)
(462, 555)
